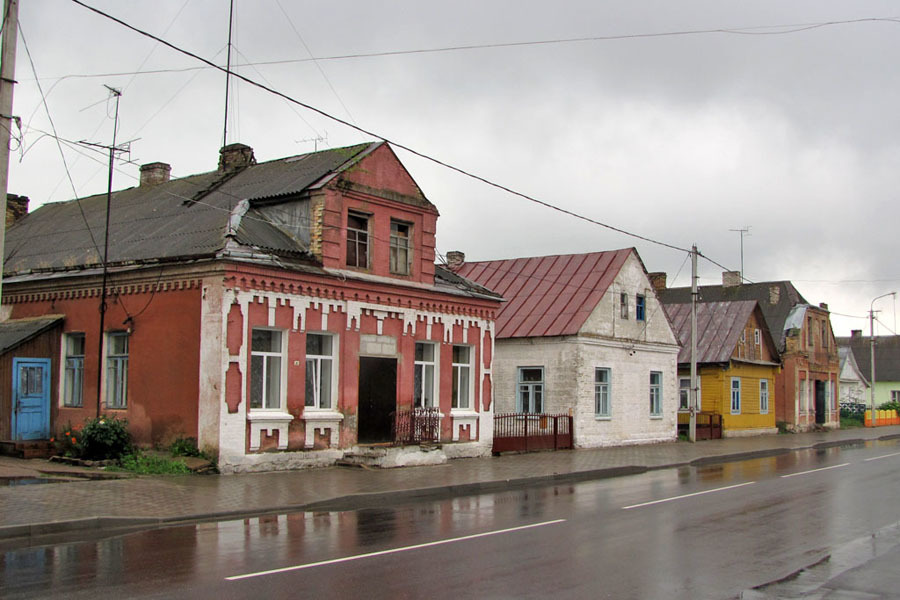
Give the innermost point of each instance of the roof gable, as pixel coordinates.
(887, 355)
(547, 295)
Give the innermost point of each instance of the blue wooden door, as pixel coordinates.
(31, 398)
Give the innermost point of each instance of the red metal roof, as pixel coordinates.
(547, 295)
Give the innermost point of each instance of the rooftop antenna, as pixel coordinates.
(315, 141)
(228, 74)
(745, 230)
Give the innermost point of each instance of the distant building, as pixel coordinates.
(887, 364)
(286, 314)
(737, 364)
(806, 388)
(584, 334)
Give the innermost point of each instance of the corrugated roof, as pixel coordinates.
(775, 298)
(182, 218)
(547, 295)
(887, 355)
(719, 327)
(17, 332)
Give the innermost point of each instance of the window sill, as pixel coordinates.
(599, 418)
(461, 413)
(656, 417)
(269, 421)
(321, 419)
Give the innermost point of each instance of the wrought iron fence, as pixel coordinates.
(416, 426)
(532, 431)
(854, 408)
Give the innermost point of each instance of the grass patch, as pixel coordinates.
(149, 464)
(851, 421)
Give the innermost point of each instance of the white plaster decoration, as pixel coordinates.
(322, 420)
(269, 421)
(272, 306)
(461, 419)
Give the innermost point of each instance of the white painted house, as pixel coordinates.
(584, 334)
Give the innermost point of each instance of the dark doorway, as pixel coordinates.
(377, 398)
(820, 402)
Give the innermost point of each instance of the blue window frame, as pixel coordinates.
(639, 307)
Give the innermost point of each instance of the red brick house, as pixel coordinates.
(284, 313)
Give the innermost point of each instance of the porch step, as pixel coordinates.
(363, 456)
(37, 449)
(385, 457)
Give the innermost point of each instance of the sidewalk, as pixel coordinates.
(88, 505)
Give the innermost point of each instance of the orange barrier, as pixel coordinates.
(883, 418)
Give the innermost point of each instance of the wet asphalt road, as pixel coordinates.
(692, 532)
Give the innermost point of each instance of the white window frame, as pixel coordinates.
(399, 245)
(317, 360)
(456, 388)
(533, 388)
(72, 370)
(425, 365)
(656, 394)
(763, 396)
(118, 384)
(895, 395)
(282, 372)
(757, 337)
(361, 238)
(623, 305)
(603, 392)
(736, 398)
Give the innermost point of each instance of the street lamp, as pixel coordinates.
(872, 352)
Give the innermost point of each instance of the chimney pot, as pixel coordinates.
(16, 208)
(155, 173)
(234, 157)
(731, 278)
(658, 280)
(455, 259)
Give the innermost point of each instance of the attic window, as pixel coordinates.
(400, 248)
(357, 240)
(623, 305)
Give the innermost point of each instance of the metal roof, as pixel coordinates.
(887, 355)
(180, 219)
(719, 327)
(775, 298)
(17, 332)
(547, 295)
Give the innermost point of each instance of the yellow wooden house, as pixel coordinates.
(736, 362)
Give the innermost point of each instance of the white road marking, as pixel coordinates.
(721, 489)
(815, 470)
(391, 551)
(882, 456)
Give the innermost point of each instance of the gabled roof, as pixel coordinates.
(17, 332)
(887, 355)
(775, 298)
(182, 219)
(848, 359)
(547, 295)
(719, 327)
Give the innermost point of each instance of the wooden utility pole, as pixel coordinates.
(7, 81)
(692, 396)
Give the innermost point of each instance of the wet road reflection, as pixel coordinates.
(696, 547)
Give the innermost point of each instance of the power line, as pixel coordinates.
(383, 138)
(782, 29)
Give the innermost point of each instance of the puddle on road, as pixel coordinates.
(11, 481)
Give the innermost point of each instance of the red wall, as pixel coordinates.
(163, 362)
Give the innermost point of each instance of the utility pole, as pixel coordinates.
(7, 81)
(872, 353)
(743, 230)
(228, 74)
(692, 399)
(112, 156)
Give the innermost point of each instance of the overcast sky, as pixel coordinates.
(679, 138)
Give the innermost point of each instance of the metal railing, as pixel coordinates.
(532, 431)
(417, 425)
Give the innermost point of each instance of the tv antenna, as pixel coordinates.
(745, 230)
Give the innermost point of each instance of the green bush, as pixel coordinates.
(148, 464)
(890, 406)
(105, 438)
(849, 420)
(184, 446)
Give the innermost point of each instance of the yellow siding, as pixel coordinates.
(715, 395)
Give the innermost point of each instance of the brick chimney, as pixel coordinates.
(658, 280)
(16, 208)
(823, 305)
(774, 294)
(856, 334)
(731, 278)
(155, 173)
(455, 259)
(234, 157)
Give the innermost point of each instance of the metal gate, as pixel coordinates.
(522, 432)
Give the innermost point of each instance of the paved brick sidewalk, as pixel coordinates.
(31, 510)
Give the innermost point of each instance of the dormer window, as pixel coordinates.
(400, 248)
(357, 240)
